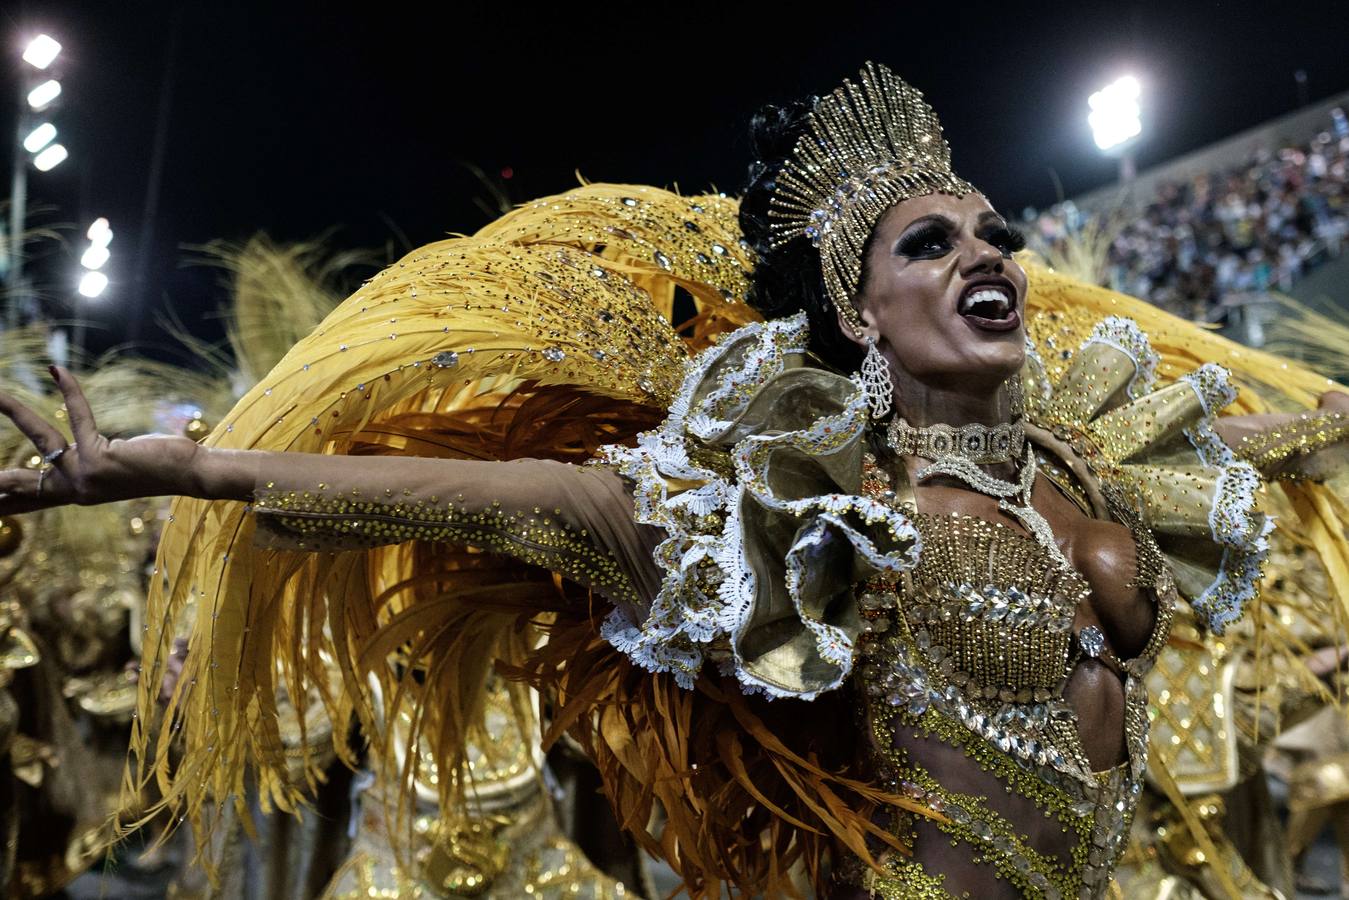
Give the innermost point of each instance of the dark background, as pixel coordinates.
(294, 118)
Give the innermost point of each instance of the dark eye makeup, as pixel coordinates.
(927, 241)
(1007, 239)
(932, 240)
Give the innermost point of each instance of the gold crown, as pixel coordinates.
(867, 147)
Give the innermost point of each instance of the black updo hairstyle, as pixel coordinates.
(788, 279)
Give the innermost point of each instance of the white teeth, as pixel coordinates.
(987, 303)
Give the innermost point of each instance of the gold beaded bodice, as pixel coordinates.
(996, 605)
(972, 650)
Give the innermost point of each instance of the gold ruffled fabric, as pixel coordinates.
(1155, 448)
(1196, 726)
(756, 476)
(1279, 630)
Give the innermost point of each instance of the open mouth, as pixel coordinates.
(989, 306)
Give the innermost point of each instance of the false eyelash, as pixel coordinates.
(1006, 238)
(915, 244)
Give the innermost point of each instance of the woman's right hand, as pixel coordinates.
(93, 469)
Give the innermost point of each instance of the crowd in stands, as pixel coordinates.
(1253, 228)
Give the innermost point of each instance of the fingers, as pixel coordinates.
(43, 435)
(82, 423)
(18, 492)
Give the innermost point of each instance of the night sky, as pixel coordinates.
(299, 118)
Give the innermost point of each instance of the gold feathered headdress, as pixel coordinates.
(868, 146)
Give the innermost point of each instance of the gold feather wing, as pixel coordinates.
(547, 333)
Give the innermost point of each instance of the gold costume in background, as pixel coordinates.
(72, 584)
(503, 843)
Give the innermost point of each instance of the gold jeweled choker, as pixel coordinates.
(958, 453)
(980, 444)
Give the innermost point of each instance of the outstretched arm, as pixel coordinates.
(572, 519)
(1293, 445)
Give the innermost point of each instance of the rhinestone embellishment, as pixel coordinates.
(1092, 641)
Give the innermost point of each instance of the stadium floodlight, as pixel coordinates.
(100, 232)
(95, 257)
(41, 51)
(1114, 116)
(100, 236)
(42, 95)
(39, 137)
(92, 284)
(50, 158)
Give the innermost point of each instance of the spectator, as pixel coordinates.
(1258, 227)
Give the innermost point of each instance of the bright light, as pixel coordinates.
(1114, 112)
(40, 51)
(50, 158)
(93, 284)
(39, 137)
(95, 257)
(44, 93)
(99, 234)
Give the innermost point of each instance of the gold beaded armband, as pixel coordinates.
(319, 521)
(1308, 433)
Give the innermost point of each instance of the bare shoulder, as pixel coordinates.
(1104, 551)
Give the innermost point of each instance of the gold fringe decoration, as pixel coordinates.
(747, 788)
(547, 333)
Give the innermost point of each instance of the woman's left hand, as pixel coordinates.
(92, 469)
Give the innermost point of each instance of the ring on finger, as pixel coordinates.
(52, 457)
(42, 474)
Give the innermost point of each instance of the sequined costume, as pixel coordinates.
(732, 539)
(971, 647)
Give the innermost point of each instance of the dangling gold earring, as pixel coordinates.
(877, 384)
(1016, 400)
